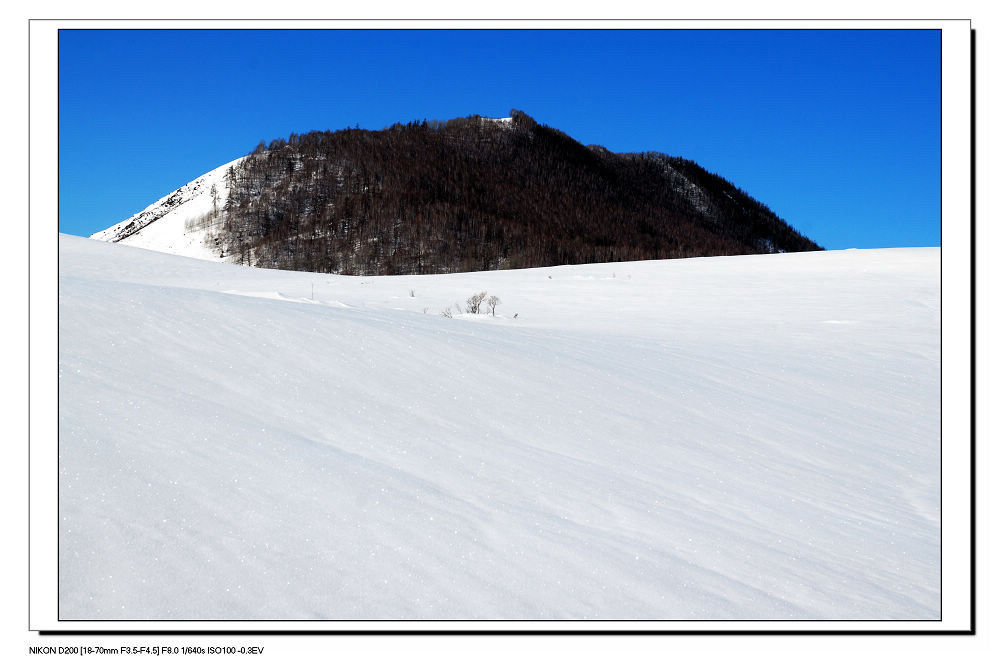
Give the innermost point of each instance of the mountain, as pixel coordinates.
(467, 194)
(752, 437)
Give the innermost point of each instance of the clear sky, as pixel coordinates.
(837, 131)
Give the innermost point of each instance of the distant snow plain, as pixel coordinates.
(747, 437)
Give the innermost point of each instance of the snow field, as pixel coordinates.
(723, 438)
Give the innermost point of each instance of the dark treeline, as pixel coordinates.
(478, 194)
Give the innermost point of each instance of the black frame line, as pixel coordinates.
(972, 329)
(491, 633)
(532, 632)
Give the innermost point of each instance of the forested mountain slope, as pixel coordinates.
(469, 194)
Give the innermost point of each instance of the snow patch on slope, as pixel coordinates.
(165, 225)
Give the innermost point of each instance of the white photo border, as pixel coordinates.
(957, 446)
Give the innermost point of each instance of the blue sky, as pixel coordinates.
(837, 131)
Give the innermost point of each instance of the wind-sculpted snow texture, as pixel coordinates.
(725, 438)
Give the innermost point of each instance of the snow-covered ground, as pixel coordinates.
(748, 437)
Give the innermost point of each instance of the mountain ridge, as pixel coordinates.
(468, 194)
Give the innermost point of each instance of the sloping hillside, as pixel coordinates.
(467, 194)
(178, 222)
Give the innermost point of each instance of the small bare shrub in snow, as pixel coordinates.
(446, 312)
(473, 302)
(492, 303)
